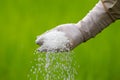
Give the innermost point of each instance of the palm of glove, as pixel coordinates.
(71, 32)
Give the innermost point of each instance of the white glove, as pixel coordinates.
(94, 22)
(71, 32)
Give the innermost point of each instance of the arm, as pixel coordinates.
(99, 18)
(103, 14)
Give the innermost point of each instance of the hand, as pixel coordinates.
(71, 32)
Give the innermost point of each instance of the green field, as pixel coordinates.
(22, 20)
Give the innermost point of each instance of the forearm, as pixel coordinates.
(94, 22)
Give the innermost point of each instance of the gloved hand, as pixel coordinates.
(71, 31)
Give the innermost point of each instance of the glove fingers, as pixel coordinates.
(39, 40)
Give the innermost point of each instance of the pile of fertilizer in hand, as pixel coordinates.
(54, 41)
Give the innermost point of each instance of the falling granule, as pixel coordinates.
(54, 41)
(54, 66)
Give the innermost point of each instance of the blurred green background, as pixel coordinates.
(22, 20)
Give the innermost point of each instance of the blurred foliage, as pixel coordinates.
(22, 20)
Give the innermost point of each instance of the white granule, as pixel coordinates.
(54, 66)
(55, 41)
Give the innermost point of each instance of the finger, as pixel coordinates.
(39, 40)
